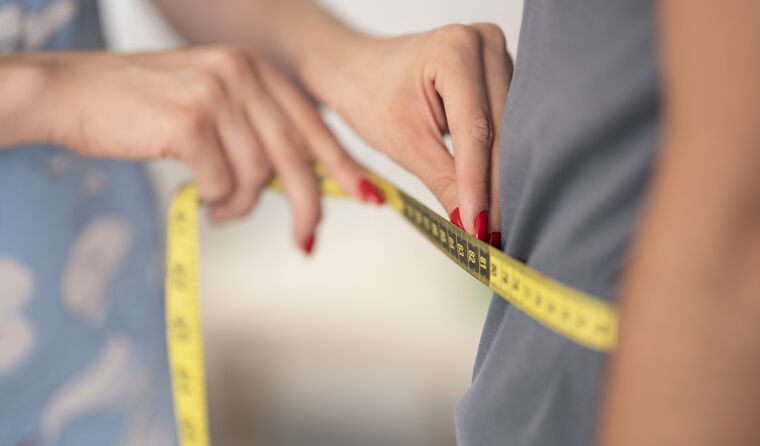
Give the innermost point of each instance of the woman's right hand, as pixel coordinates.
(230, 115)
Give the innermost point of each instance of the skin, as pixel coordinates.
(235, 118)
(686, 369)
(401, 94)
(225, 112)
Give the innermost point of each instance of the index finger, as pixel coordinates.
(497, 69)
(461, 86)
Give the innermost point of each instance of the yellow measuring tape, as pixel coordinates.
(578, 316)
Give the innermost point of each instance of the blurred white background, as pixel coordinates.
(369, 342)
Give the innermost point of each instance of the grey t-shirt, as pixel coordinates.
(579, 136)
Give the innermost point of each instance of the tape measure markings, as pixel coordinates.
(183, 320)
(585, 319)
(574, 314)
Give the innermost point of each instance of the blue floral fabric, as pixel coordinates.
(82, 340)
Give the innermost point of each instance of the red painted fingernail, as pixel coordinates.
(494, 239)
(369, 192)
(455, 218)
(481, 225)
(308, 244)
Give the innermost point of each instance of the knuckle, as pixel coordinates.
(245, 207)
(216, 188)
(459, 32)
(479, 188)
(258, 176)
(229, 59)
(342, 162)
(255, 90)
(493, 36)
(193, 121)
(167, 149)
(184, 145)
(224, 185)
(443, 187)
(263, 171)
(461, 37)
(209, 87)
(242, 204)
(292, 142)
(480, 127)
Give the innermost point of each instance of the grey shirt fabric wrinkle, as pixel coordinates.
(579, 135)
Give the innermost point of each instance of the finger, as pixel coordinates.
(242, 148)
(434, 166)
(352, 177)
(219, 92)
(250, 164)
(286, 150)
(200, 148)
(461, 85)
(497, 67)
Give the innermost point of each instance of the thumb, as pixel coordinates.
(434, 166)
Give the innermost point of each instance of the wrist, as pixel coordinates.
(24, 111)
(326, 67)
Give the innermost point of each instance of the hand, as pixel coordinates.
(225, 112)
(402, 95)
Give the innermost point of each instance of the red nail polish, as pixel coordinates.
(308, 244)
(481, 225)
(455, 218)
(494, 239)
(369, 192)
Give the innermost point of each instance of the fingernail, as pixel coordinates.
(369, 192)
(308, 245)
(481, 225)
(494, 239)
(454, 217)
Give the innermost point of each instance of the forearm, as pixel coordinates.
(301, 36)
(686, 369)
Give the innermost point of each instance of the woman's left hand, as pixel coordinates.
(403, 94)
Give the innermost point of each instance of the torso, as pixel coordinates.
(579, 135)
